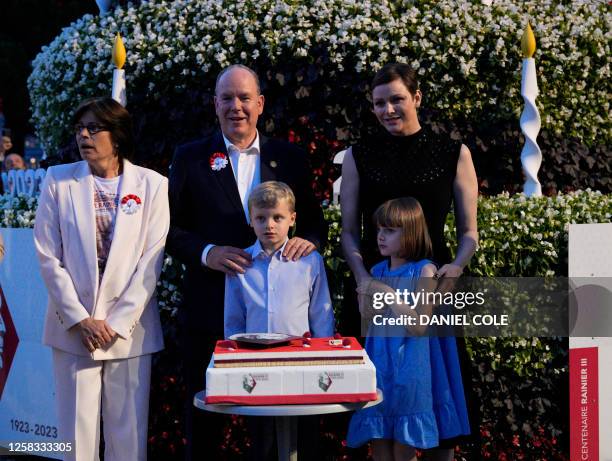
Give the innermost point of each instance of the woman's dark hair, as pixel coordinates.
(115, 118)
(397, 71)
(407, 214)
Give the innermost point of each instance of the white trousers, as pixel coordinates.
(118, 390)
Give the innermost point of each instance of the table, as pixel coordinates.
(285, 417)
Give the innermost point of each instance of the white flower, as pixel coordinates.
(203, 34)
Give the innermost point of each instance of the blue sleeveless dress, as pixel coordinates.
(420, 378)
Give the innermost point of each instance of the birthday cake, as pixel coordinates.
(300, 371)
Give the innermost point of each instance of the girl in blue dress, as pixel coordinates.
(419, 376)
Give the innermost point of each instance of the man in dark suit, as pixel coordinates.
(210, 181)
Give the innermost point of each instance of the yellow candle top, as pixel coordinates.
(528, 43)
(118, 52)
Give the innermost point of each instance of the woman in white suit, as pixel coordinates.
(100, 232)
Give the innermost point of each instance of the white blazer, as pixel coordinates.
(65, 240)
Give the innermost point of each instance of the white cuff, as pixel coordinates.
(207, 249)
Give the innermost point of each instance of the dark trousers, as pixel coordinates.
(264, 442)
(203, 429)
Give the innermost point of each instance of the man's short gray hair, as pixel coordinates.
(238, 66)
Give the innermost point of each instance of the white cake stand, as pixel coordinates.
(285, 417)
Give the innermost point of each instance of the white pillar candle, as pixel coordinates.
(119, 56)
(118, 93)
(531, 155)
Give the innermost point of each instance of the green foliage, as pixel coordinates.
(527, 237)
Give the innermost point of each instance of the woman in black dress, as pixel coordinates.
(406, 159)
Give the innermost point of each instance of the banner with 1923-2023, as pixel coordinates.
(28, 421)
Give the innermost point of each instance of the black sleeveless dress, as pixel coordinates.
(422, 165)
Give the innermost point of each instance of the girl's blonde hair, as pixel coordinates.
(407, 214)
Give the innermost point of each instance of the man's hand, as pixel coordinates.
(230, 260)
(298, 247)
(95, 333)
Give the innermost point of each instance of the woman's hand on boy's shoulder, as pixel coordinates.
(297, 248)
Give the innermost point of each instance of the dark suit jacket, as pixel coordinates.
(205, 208)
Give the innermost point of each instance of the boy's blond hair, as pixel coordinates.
(269, 193)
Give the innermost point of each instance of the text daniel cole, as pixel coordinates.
(441, 320)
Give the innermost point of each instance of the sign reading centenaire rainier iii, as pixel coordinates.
(590, 358)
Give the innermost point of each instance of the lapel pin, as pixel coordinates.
(130, 204)
(273, 164)
(218, 161)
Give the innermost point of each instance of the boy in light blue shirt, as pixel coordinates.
(276, 294)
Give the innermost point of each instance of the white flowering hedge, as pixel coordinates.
(468, 52)
(522, 236)
(18, 211)
(518, 236)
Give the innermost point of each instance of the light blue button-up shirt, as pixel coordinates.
(276, 295)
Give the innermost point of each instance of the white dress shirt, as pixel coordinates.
(276, 295)
(245, 166)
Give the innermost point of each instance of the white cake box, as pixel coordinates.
(291, 384)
